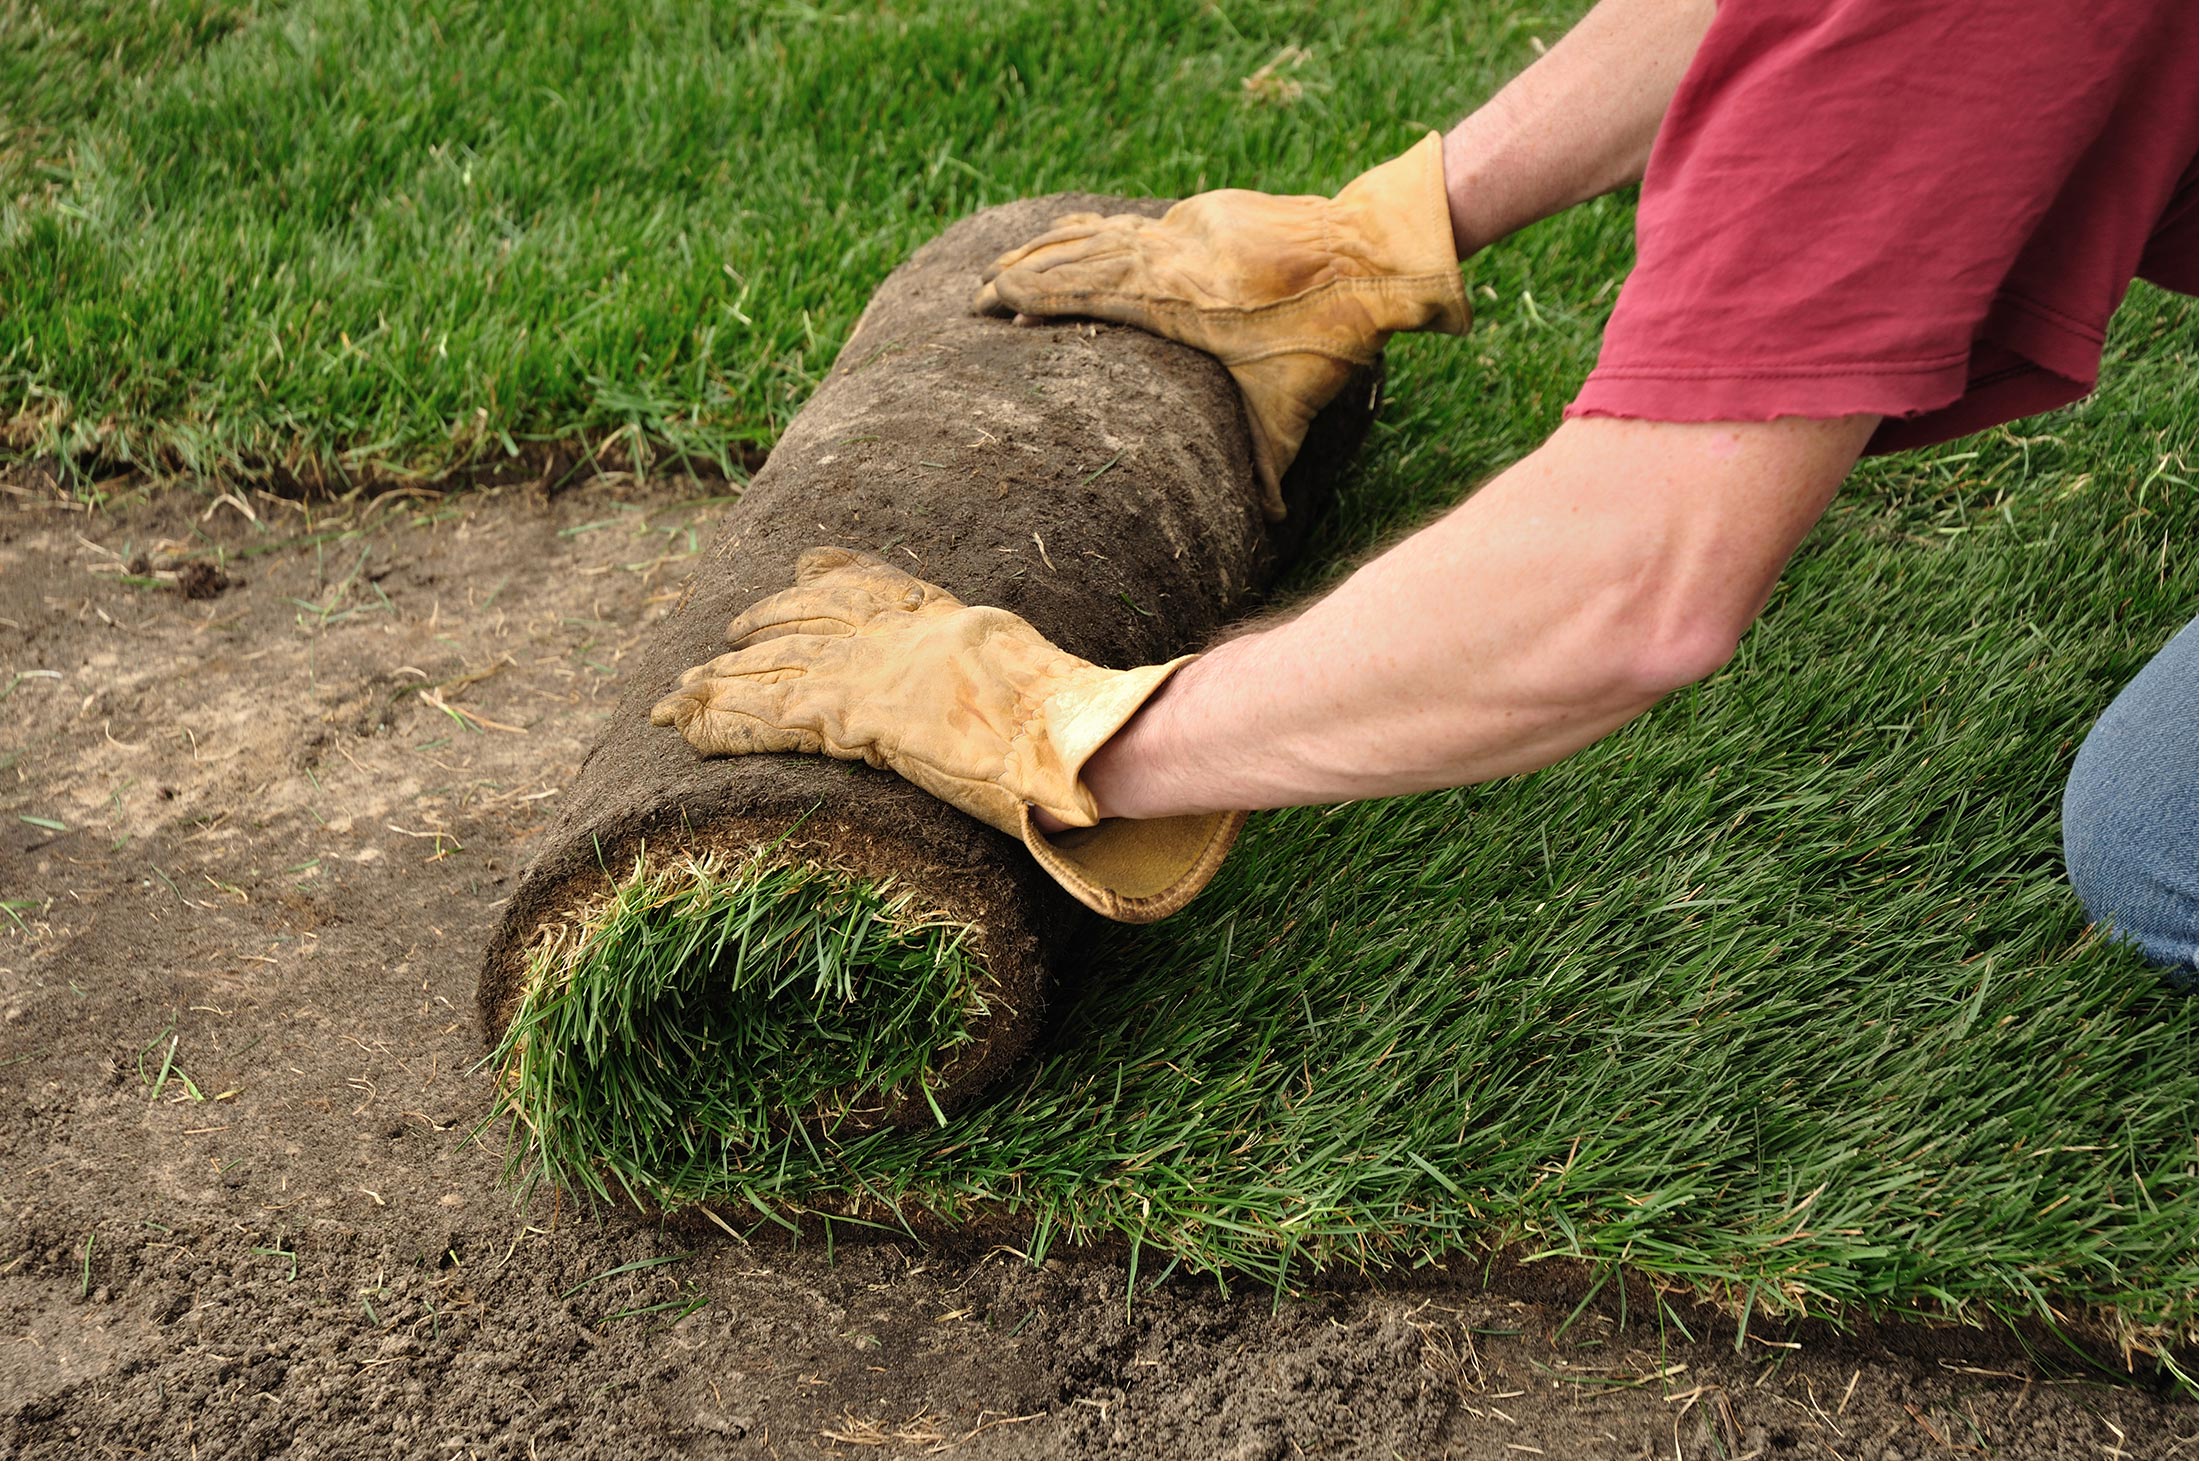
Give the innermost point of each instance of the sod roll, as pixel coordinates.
(706, 957)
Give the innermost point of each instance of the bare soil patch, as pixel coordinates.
(263, 785)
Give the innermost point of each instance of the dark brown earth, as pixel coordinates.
(279, 856)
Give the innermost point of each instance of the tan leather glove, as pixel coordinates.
(862, 661)
(1292, 294)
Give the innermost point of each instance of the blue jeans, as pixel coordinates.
(2131, 812)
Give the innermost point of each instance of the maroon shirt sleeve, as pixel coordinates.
(1925, 211)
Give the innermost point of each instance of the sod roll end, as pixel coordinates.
(706, 956)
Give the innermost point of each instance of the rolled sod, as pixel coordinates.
(707, 957)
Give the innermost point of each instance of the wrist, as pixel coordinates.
(1144, 770)
(1467, 195)
(1122, 775)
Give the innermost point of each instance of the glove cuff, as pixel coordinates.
(1129, 869)
(1400, 214)
(1083, 716)
(1136, 870)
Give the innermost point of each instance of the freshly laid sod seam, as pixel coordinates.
(1779, 993)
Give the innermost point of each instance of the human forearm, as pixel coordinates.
(1576, 124)
(1618, 562)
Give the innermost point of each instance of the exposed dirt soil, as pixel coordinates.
(258, 808)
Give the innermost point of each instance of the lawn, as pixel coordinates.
(1778, 993)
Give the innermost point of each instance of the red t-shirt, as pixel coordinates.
(1924, 210)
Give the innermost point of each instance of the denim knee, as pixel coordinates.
(2131, 811)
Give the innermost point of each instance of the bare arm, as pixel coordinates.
(1616, 563)
(1576, 124)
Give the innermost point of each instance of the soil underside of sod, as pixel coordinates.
(277, 857)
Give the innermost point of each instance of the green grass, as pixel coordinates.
(368, 235)
(62, 62)
(705, 1010)
(1778, 993)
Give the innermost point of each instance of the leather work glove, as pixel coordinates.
(1292, 294)
(862, 661)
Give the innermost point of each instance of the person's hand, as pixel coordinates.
(863, 662)
(1292, 294)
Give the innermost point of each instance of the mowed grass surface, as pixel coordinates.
(393, 236)
(1778, 992)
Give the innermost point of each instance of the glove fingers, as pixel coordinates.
(812, 565)
(1097, 288)
(837, 591)
(730, 718)
(1030, 294)
(832, 564)
(814, 610)
(1052, 251)
(1067, 229)
(779, 658)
